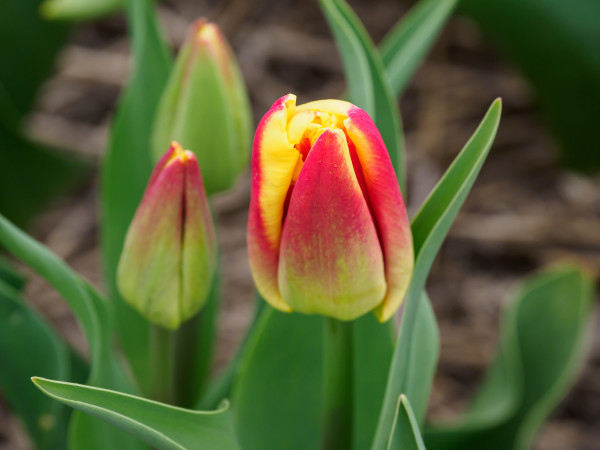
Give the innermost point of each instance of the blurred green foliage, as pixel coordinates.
(79, 9)
(556, 45)
(30, 173)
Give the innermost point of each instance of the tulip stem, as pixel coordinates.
(337, 385)
(162, 354)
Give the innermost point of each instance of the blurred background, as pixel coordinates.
(536, 201)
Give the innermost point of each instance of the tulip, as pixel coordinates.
(169, 256)
(205, 107)
(328, 231)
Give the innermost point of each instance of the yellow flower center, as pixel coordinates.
(305, 127)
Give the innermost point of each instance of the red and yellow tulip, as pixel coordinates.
(170, 252)
(328, 231)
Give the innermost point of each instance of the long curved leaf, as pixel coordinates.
(405, 432)
(404, 47)
(372, 93)
(162, 426)
(93, 316)
(429, 227)
(543, 335)
(354, 58)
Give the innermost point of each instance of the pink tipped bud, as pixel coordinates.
(169, 255)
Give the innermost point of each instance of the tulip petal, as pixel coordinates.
(388, 209)
(331, 261)
(273, 163)
(199, 244)
(153, 246)
(332, 106)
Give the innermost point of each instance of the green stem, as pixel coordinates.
(161, 371)
(186, 345)
(220, 388)
(337, 385)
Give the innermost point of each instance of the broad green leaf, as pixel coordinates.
(404, 47)
(373, 347)
(29, 346)
(429, 228)
(555, 45)
(127, 166)
(543, 342)
(79, 9)
(159, 425)
(372, 93)
(276, 398)
(93, 316)
(405, 432)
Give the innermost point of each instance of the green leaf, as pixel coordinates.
(429, 228)
(422, 358)
(10, 275)
(404, 47)
(277, 394)
(405, 431)
(127, 166)
(29, 346)
(93, 316)
(281, 364)
(24, 33)
(543, 335)
(354, 58)
(79, 9)
(373, 350)
(32, 173)
(159, 425)
(371, 93)
(373, 347)
(555, 45)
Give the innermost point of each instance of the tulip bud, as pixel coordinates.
(169, 256)
(328, 231)
(205, 107)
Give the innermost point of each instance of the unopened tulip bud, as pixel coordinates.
(328, 231)
(205, 107)
(169, 256)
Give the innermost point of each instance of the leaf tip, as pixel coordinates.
(37, 381)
